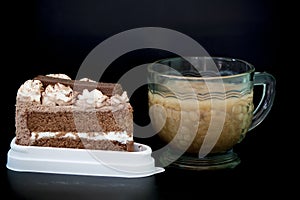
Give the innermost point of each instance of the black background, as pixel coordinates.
(55, 36)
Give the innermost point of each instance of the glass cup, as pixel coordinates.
(203, 106)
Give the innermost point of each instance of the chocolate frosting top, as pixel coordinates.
(108, 89)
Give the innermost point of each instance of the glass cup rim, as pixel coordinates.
(251, 68)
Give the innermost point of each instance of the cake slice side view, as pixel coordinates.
(56, 111)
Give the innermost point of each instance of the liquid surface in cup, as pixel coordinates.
(187, 121)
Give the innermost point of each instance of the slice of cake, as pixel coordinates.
(55, 111)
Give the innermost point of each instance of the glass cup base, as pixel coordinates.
(226, 160)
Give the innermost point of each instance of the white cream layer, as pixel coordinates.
(121, 137)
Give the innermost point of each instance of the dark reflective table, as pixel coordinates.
(55, 186)
(251, 177)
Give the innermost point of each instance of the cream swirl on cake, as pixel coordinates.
(91, 99)
(57, 94)
(63, 76)
(30, 91)
(118, 101)
(87, 80)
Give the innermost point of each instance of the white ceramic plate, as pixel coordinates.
(135, 164)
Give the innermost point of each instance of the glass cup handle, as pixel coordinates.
(263, 108)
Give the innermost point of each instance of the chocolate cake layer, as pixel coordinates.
(69, 121)
(39, 118)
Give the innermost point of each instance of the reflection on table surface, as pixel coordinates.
(174, 183)
(55, 186)
(170, 184)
